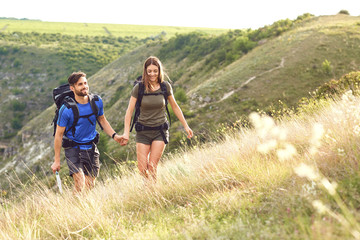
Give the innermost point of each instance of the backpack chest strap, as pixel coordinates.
(153, 94)
(71, 104)
(88, 118)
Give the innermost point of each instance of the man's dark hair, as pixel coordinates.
(75, 76)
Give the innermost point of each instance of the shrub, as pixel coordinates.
(334, 87)
(4, 51)
(346, 12)
(17, 63)
(15, 49)
(304, 16)
(17, 91)
(17, 106)
(326, 66)
(180, 95)
(16, 123)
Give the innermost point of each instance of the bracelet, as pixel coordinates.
(113, 135)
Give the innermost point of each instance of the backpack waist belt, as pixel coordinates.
(165, 126)
(67, 142)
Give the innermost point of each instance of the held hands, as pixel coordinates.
(123, 140)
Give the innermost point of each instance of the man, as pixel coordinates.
(81, 153)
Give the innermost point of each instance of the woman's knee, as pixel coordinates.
(142, 166)
(153, 164)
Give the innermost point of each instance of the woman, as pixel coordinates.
(152, 131)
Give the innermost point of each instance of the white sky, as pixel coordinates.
(234, 14)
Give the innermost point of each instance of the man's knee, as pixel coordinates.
(89, 182)
(79, 180)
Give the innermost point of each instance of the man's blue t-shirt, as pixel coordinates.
(85, 130)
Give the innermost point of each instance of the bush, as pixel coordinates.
(304, 16)
(180, 95)
(334, 87)
(16, 122)
(326, 66)
(17, 91)
(17, 63)
(4, 51)
(346, 12)
(17, 106)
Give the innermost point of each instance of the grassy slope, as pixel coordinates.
(98, 29)
(303, 49)
(223, 190)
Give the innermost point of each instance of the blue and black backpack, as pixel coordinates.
(62, 95)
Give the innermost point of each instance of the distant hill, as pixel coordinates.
(99, 29)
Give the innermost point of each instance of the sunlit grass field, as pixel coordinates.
(294, 178)
(99, 29)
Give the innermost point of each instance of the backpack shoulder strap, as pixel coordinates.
(70, 103)
(164, 89)
(166, 95)
(93, 98)
(141, 91)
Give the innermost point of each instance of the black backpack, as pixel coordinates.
(62, 95)
(141, 93)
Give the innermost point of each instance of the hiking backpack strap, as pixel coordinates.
(95, 108)
(139, 127)
(138, 104)
(54, 122)
(59, 94)
(70, 103)
(165, 93)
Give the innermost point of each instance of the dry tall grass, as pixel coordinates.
(244, 187)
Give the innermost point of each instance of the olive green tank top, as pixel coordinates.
(152, 109)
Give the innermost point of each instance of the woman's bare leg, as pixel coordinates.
(142, 152)
(156, 151)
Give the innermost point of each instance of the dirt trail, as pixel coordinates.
(226, 95)
(4, 28)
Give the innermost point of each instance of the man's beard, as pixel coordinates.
(80, 93)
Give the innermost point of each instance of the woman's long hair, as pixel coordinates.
(145, 77)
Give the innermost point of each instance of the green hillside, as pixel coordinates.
(217, 81)
(285, 68)
(37, 56)
(32, 59)
(32, 64)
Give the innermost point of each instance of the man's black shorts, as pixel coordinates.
(85, 160)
